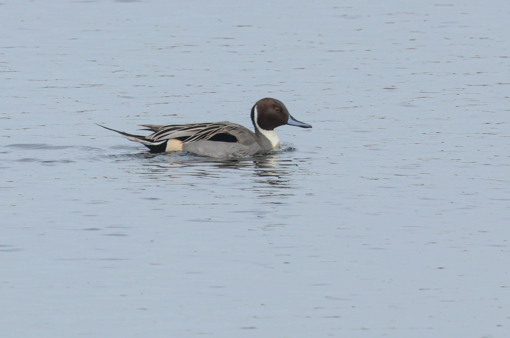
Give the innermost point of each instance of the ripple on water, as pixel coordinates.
(8, 248)
(44, 146)
(44, 162)
(36, 146)
(71, 153)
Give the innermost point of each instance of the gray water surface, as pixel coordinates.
(390, 218)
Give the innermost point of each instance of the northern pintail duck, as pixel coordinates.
(221, 139)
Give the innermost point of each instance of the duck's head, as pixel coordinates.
(269, 113)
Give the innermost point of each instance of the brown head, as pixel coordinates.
(269, 113)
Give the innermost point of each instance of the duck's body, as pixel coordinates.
(221, 139)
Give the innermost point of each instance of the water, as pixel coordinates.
(388, 219)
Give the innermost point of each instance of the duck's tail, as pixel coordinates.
(154, 147)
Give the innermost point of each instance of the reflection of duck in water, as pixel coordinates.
(221, 139)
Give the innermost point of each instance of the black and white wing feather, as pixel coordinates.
(188, 133)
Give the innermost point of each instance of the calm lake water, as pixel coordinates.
(390, 218)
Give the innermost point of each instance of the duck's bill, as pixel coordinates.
(293, 122)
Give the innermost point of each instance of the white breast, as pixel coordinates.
(271, 136)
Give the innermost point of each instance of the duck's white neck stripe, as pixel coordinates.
(269, 134)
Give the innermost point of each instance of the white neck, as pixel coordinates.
(269, 134)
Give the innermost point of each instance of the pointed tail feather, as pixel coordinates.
(136, 138)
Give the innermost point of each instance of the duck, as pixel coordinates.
(221, 139)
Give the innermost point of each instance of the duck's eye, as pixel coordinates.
(278, 109)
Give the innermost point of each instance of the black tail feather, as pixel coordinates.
(158, 148)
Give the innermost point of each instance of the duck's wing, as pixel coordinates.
(218, 131)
